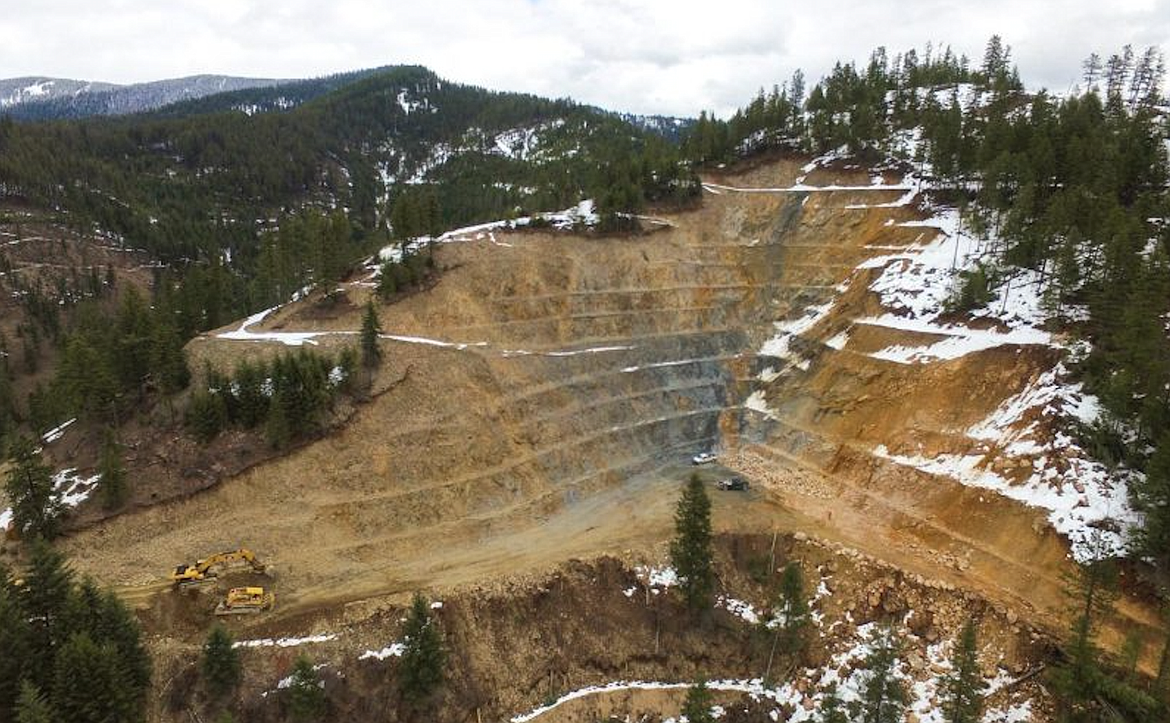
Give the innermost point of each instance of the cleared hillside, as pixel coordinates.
(541, 401)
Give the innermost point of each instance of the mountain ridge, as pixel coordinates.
(38, 97)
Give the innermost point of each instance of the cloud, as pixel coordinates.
(646, 56)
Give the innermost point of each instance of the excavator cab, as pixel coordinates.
(185, 574)
(201, 570)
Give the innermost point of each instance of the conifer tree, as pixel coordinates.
(82, 610)
(168, 361)
(88, 683)
(1151, 495)
(690, 552)
(14, 641)
(86, 377)
(832, 708)
(279, 428)
(697, 706)
(884, 697)
(1076, 682)
(963, 686)
(423, 660)
(112, 483)
(792, 610)
(36, 503)
(8, 416)
(251, 402)
(371, 328)
(206, 415)
(48, 582)
(117, 626)
(306, 692)
(789, 621)
(221, 662)
(1162, 676)
(32, 706)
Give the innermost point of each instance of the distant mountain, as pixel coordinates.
(187, 180)
(39, 98)
(36, 98)
(284, 95)
(30, 90)
(672, 128)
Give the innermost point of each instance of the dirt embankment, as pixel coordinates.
(515, 646)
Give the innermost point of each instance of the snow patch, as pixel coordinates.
(284, 642)
(739, 608)
(57, 432)
(394, 650)
(657, 579)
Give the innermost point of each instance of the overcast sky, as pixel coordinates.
(646, 56)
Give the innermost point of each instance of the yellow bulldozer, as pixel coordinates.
(246, 601)
(202, 570)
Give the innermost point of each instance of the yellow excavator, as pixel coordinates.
(201, 571)
(246, 601)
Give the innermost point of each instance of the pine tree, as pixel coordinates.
(168, 361)
(36, 503)
(86, 377)
(117, 626)
(1162, 676)
(82, 608)
(832, 708)
(14, 641)
(1076, 683)
(8, 416)
(371, 328)
(112, 483)
(423, 660)
(690, 552)
(251, 402)
(88, 683)
(279, 429)
(792, 611)
(789, 621)
(963, 687)
(306, 692)
(221, 662)
(206, 415)
(884, 697)
(32, 706)
(1151, 495)
(48, 584)
(697, 706)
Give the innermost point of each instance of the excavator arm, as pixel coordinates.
(202, 569)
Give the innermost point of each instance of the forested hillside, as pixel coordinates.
(41, 99)
(166, 184)
(1073, 187)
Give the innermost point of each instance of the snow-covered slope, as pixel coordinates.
(1026, 448)
(42, 97)
(15, 91)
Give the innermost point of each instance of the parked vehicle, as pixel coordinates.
(704, 458)
(733, 484)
